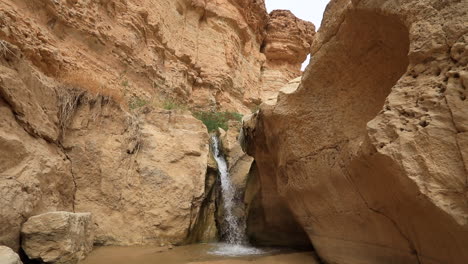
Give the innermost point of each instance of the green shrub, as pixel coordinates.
(172, 105)
(125, 83)
(214, 120)
(136, 102)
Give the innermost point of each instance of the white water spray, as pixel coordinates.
(236, 239)
(235, 229)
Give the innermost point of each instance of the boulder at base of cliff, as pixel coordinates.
(58, 237)
(8, 256)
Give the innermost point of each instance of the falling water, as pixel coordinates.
(235, 230)
(236, 238)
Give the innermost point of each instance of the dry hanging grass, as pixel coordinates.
(69, 99)
(4, 49)
(83, 81)
(78, 87)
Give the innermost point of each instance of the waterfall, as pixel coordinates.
(235, 228)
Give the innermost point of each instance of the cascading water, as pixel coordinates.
(235, 229)
(236, 239)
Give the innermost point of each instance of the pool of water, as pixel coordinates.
(196, 254)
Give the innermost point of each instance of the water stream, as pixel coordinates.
(235, 229)
(235, 238)
(233, 250)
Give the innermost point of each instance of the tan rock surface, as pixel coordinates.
(203, 53)
(71, 71)
(120, 166)
(8, 256)
(147, 170)
(58, 237)
(286, 46)
(239, 163)
(270, 221)
(35, 175)
(369, 152)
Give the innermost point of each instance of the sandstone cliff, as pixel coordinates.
(206, 54)
(82, 87)
(66, 149)
(370, 151)
(286, 46)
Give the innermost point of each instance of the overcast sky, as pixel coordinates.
(310, 10)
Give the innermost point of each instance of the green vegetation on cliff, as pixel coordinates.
(214, 120)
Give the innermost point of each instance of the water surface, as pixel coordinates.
(195, 254)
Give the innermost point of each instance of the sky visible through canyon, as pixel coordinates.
(310, 10)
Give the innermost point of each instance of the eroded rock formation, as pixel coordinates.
(35, 176)
(66, 149)
(203, 53)
(148, 176)
(81, 89)
(270, 221)
(286, 46)
(370, 151)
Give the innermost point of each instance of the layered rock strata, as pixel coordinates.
(286, 46)
(369, 152)
(206, 54)
(64, 148)
(82, 84)
(35, 175)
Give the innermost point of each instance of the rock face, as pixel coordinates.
(286, 46)
(370, 151)
(82, 84)
(203, 53)
(8, 256)
(35, 176)
(58, 237)
(269, 218)
(204, 228)
(66, 149)
(239, 163)
(151, 172)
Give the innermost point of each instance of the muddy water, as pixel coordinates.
(193, 254)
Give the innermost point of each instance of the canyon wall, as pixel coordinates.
(369, 151)
(83, 85)
(64, 149)
(206, 54)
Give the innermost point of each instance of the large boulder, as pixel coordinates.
(58, 237)
(8, 256)
(147, 168)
